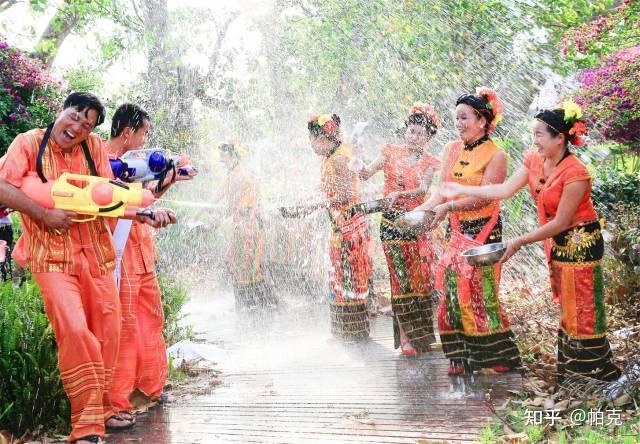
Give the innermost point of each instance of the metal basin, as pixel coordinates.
(485, 255)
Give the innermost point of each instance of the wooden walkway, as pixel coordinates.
(286, 381)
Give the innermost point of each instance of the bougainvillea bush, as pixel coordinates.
(29, 98)
(610, 97)
(610, 29)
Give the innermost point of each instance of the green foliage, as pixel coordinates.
(560, 17)
(609, 29)
(84, 79)
(560, 432)
(535, 433)
(622, 265)
(612, 186)
(174, 297)
(175, 374)
(31, 393)
(490, 433)
(372, 59)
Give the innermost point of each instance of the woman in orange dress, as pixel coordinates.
(351, 266)
(245, 255)
(408, 170)
(560, 184)
(474, 330)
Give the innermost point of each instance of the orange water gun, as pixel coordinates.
(89, 195)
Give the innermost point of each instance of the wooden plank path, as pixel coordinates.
(284, 380)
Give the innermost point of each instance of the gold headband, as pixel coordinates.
(550, 126)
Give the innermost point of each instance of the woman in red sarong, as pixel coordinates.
(408, 171)
(351, 265)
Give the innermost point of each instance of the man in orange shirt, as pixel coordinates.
(142, 361)
(71, 262)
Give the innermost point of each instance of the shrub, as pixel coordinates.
(31, 392)
(28, 96)
(610, 97)
(622, 264)
(174, 297)
(612, 186)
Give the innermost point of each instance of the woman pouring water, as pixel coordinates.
(474, 330)
(408, 170)
(561, 186)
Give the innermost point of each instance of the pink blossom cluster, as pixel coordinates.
(610, 96)
(23, 82)
(29, 97)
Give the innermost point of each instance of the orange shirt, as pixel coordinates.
(402, 175)
(331, 187)
(42, 249)
(139, 251)
(547, 192)
(243, 197)
(469, 168)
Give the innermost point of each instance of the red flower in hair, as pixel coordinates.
(577, 141)
(578, 129)
(330, 126)
(493, 103)
(427, 111)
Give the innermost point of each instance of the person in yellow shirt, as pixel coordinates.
(474, 330)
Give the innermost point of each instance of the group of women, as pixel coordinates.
(473, 328)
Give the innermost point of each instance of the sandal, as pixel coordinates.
(96, 439)
(408, 352)
(127, 419)
(501, 368)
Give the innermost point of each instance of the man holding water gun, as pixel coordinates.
(142, 360)
(71, 262)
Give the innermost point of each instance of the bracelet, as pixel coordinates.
(452, 206)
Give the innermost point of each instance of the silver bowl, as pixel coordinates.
(485, 255)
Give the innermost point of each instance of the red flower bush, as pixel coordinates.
(29, 98)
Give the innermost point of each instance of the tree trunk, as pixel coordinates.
(60, 26)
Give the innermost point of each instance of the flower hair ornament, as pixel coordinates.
(234, 147)
(327, 124)
(573, 118)
(424, 115)
(494, 104)
(566, 118)
(486, 103)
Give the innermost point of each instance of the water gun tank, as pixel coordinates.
(158, 161)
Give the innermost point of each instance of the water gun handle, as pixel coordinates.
(187, 170)
(147, 213)
(86, 219)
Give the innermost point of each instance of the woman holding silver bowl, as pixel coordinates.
(561, 186)
(474, 330)
(408, 169)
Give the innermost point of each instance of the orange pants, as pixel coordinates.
(142, 361)
(84, 312)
